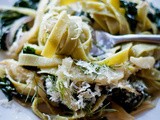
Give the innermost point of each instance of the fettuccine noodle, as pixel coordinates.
(55, 64)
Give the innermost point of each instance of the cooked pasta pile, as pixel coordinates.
(55, 60)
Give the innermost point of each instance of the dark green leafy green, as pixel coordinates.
(10, 91)
(7, 18)
(129, 100)
(131, 13)
(23, 28)
(27, 3)
(7, 88)
(155, 16)
(29, 50)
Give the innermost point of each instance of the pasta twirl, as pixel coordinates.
(59, 63)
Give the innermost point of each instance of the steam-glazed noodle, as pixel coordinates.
(59, 70)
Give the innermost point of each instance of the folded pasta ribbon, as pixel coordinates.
(117, 58)
(56, 35)
(38, 61)
(112, 16)
(69, 36)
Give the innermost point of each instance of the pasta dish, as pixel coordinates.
(62, 71)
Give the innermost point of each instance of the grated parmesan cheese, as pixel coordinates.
(86, 94)
(96, 71)
(55, 96)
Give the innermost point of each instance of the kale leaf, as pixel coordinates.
(29, 50)
(130, 14)
(129, 100)
(155, 17)
(7, 18)
(7, 88)
(10, 91)
(33, 4)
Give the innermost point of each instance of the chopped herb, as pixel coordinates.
(28, 50)
(89, 68)
(131, 13)
(88, 108)
(97, 114)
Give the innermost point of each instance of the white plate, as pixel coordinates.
(14, 111)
